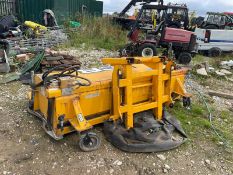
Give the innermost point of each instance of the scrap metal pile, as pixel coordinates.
(44, 61)
(25, 47)
(37, 61)
(46, 39)
(30, 34)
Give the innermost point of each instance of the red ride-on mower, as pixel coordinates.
(183, 43)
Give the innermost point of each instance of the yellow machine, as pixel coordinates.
(130, 98)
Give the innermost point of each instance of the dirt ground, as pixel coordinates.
(25, 149)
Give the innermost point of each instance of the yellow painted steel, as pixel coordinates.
(134, 85)
(79, 122)
(34, 25)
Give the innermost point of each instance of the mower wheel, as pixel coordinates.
(147, 50)
(186, 101)
(215, 52)
(30, 104)
(184, 58)
(89, 142)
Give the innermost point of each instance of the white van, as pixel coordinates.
(214, 41)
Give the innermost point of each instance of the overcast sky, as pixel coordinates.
(200, 6)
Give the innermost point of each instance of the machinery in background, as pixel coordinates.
(182, 42)
(174, 15)
(213, 42)
(214, 20)
(130, 100)
(134, 2)
(127, 22)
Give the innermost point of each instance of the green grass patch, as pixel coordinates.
(99, 33)
(192, 119)
(223, 123)
(196, 123)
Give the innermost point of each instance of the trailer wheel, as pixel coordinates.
(215, 52)
(147, 50)
(184, 58)
(89, 142)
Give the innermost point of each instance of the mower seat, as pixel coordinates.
(157, 29)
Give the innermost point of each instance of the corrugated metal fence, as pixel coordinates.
(32, 9)
(63, 9)
(7, 7)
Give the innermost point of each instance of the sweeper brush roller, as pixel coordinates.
(130, 98)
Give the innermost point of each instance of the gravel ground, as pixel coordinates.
(91, 58)
(26, 149)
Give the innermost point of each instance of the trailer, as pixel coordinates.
(214, 42)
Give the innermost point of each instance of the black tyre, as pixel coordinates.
(7, 22)
(211, 27)
(186, 101)
(5, 45)
(215, 52)
(147, 50)
(127, 51)
(184, 58)
(30, 104)
(89, 142)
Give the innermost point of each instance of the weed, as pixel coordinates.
(97, 32)
(196, 123)
(214, 62)
(193, 118)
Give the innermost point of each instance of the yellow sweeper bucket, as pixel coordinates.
(130, 98)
